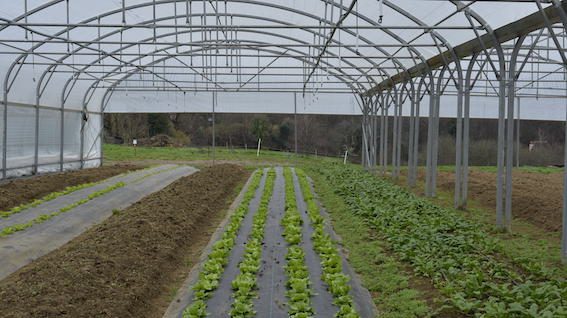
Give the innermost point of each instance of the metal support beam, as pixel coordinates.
(501, 35)
(411, 136)
(430, 137)
(395, 132)
(518, 123)
(295, 121)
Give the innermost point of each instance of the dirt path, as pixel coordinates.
(21, 248)
(123, 266)
(19, 191)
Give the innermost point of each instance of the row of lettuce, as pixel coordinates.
(462, 260)
(298, 281)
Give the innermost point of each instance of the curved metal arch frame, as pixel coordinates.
(243, 1)
(66, 30)
(103, 102)
(147, 54)
(564, 18)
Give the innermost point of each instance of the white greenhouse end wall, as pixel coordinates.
(53, 152)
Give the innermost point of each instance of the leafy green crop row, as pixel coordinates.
(217, 259)
(461, 259)
(298, 283)
(47, 198)
(331, 262)
(44, 217)
(55, 195)
(244, 285)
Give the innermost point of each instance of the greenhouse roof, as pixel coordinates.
(81, 52)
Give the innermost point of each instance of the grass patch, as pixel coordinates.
(248, 157)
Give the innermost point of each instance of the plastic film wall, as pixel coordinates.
(35, 144)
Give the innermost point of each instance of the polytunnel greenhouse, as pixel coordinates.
(283, 158)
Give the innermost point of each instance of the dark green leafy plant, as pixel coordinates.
(457, 255)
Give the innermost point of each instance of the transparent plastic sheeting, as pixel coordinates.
(552, 109)
(364, 51)
(21, 140)
(202, 102)
(275, 52)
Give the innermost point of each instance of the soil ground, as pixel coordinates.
(19, 191)
(125, 266)
(536, 197)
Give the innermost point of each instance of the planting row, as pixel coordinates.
(462, 260)
(45, 217)
(299, 292)
(245, 284)
(331, 261)
(13, 228)
(213, 268)
(298, 281)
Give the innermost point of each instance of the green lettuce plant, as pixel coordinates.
(244, 285)
(217, 259)
(298, 283)
(331, 261)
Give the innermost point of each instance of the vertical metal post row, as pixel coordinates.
(36, 136)
(213, 119)
(564, 228)
(518, 123)
(62, 137)
(386, 133)
(394, 95)
(559, 6)
(363, 129)
(434, 135)
(399, 135)
(459, 147)
(295, 120)
(435, 145)
(429, 161)
(509, 142)
(411, 137)
(468, 86)
(375, 131)
(382, 135)
(500, 149)
(415, 148)
(5, 135)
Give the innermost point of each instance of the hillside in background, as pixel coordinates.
(325, 135)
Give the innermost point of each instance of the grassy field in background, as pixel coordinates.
(129, 153)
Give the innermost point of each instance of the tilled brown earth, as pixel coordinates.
(536, 197)
(124, 266)
(19, 191)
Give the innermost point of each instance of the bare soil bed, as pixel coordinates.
(18, 191)
(536, 197)
(126, 266)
